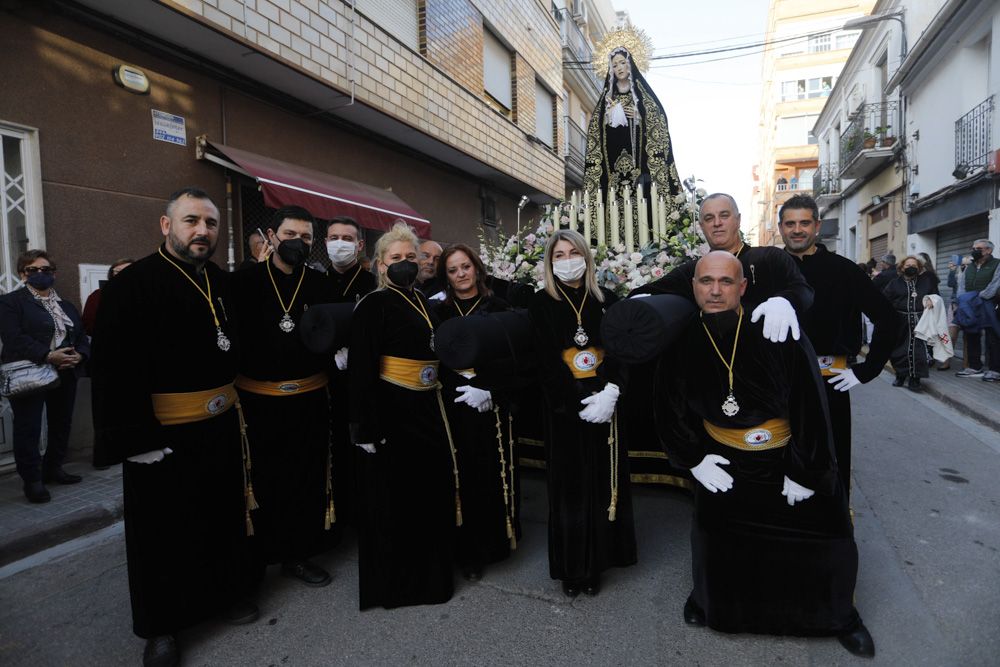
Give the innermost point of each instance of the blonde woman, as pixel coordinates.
(408, 496)
(590, 504)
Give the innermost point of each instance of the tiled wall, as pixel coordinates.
(441, 94)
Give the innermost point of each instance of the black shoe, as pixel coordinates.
(592, 586)
(472, 573)
(859, 642)
(898, 382)
(36, 492)
(161, 651)
(241, 613)
(571, 588)
(914, 384)
(693, 615)
(306, 572)
(60, 476)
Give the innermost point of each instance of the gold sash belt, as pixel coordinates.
(826, 362)
(282, 388)
(772, 434)
(418, 375)
(583, 363)
(193, 406)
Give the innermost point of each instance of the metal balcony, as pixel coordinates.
(578, 56)
(574, 150)
(869, 141)
(826, 184)
(973, 141)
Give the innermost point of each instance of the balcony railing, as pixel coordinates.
(870, 127)
(573, 38)
(826, 180)
(972, 136)
(575, 145)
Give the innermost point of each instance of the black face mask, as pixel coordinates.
(977, 255)
(402, 273)
(910, 271)
(293, 252)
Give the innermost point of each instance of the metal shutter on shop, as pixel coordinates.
(878, 246)
(957, 239)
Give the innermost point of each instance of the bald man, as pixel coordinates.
(772, 543)
(428, 281)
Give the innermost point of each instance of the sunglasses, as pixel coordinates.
(32, 270)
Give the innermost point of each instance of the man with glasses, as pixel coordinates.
(977, 276)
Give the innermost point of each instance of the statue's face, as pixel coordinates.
(620, 68)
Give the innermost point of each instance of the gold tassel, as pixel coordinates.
(251, 500)
(249, 525)
(613, 465)
(454, 456)
(331, 511)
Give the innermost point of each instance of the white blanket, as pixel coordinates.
(933, 328)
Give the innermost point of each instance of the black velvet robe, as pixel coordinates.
(769, 272)
(406, 513)
(482, 538)
(909, 356)
(185, 530)
(833, 324)
(583, 542)
(347, 287)
(289, 435)
(759, 564)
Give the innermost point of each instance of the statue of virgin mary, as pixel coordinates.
(628, 142)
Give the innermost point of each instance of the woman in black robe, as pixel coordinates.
(590, 503)
(489, 521)
(628, 142)
(906, 293)
(408, 496)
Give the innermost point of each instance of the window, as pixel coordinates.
(801, 89)
(497, 70)
(818, 43)
(795, 131)
(544, 128)
(20, 200)
(846, 40)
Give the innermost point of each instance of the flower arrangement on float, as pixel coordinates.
(518, 258)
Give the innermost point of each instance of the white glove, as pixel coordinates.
(641, 295)
(843, 379)
(367, 446)
(600, 406)
(711, 476)
(779, 317)
(796, 492)
(341, 359)
(478, 399)
(154, 456)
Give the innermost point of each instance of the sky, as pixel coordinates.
(713, 108)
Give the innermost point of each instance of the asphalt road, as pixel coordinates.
(927, 516)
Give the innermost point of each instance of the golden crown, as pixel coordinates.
(635, 40)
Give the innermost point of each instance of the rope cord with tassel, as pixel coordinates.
(510, 462)
(249, 500)
(454, 457)
(508, 492)
(330, 516)
(613, 453)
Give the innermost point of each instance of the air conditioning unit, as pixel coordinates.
(580, 12)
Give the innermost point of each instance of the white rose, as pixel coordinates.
(635, 257)
(680, 198)
(675, 215)
(701, 192)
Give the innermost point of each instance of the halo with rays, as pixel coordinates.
(638, 43)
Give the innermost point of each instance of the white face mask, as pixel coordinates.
(569, 269)
(341, 253)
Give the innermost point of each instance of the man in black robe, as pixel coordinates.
(282, 387)
(164, 363)
(772, 542)
(833, 324)
(775, 290)
(345, 244)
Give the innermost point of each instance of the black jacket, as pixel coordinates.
(26, 328)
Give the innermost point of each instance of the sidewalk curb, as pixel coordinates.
(987, 420)
(67, 527)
